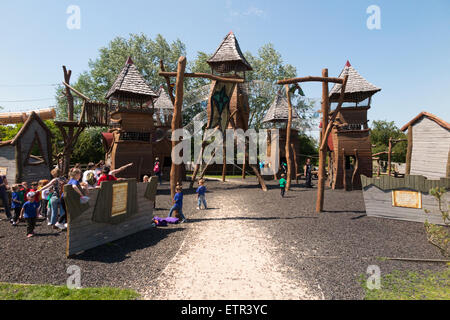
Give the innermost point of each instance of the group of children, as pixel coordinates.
(177, 204)
(29, 203)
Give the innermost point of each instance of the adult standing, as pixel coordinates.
(308, 173)
(56, 188)
(4, 196)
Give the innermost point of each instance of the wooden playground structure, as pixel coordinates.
(227, 105)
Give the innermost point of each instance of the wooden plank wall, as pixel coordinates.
(379, 204)
(8, 160)
(32, 173)
(84, 234)
(430, 149)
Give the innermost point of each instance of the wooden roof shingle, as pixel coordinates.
(228, 56)
(357, 88)
(163, 101)
(131, 82)
(279, 110)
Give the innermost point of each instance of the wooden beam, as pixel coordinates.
(323, 152)
(202, 75)
(78, 93)
(174, 170)
(288, 140)
(309, 79)
(335, 113)
(169, 87)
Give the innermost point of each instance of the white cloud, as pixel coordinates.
(251, 11)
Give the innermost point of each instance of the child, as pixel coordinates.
(16, 204)
(178, 204)
(75, 175)
(283, 184)
(29, 212)
(145, 179)
(23, 190)
(34, 187)
(43, 198)
(201, 190)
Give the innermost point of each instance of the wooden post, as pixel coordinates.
(379, 167)
(295, 162)
(389, 157)
(243, 165)
(175, 169)
(224, 157)
(323, 151)
(344, 170)
(355, 169)
(409, 150)
(288, 139)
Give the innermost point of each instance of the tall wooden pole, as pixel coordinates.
(70, 131)
(224, 156)
(389, 157)
(176, 120)
(288, 139)
(409, 150)
(323, 151)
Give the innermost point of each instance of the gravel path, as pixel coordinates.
(249, 245)
(224, 258)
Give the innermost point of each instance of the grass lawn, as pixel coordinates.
(49, 292)
(408, 285)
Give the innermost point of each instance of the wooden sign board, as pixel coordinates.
(407, 199)
(119, 199)
(3, 171)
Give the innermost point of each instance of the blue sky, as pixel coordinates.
(409, 57)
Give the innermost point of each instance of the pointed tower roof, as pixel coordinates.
(130, 83)
(279, 110)
(357, 89)
(164, 101)
(228, 56)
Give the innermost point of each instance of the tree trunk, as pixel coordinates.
(323, 151)
(288, 140)
(175, 169)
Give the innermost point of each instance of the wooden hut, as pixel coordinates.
(278, 114)
(131, 105)
(428, 146)
(28, 157)
(349, 142)
(229, 61)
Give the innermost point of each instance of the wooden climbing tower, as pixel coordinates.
(131, 107)
(349, 143)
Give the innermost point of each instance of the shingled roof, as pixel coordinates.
(164, 101)
(131, 83)
(357, 88)
(279, 110)
(228, 56)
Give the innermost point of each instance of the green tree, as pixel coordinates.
(146, 54)
(381, 131)
(268, 68)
